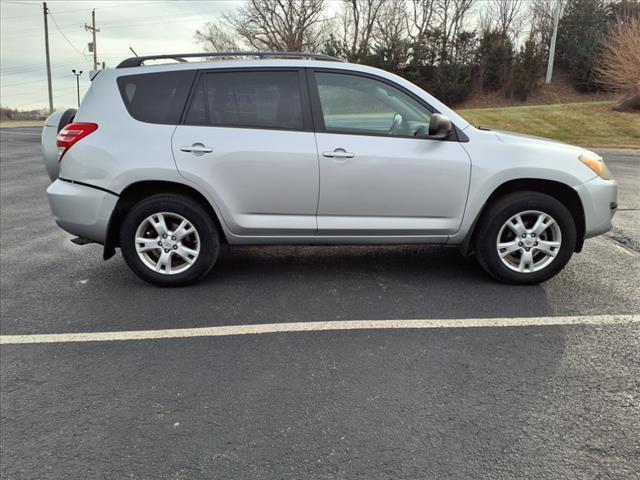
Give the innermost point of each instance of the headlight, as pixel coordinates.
(596, 163)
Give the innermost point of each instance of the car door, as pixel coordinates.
(246, 138)
(379, 176)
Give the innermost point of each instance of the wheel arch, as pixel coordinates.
(135, 192)
(558, 190)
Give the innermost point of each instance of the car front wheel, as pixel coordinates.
(525, 238)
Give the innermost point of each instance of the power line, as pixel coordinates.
(63, 35)
(27, 65)
(152, 23)
(20, 84)
(21, 69)
(130, 21)
(39, 67)
(31, 92)
(19, 31)
(58, 77)
(79, 9)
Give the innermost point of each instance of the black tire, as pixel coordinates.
(191, 210)
(66, 118)
(495, 217)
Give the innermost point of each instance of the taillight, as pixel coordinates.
(71, 134)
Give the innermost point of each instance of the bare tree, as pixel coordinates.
(214, 37)
(280, 25)
(504, 16)
(435, 28)
(420, 18)
(619, 66)
(452, 15)
(390, 35)
(357, 22)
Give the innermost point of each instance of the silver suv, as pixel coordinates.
(169, 161)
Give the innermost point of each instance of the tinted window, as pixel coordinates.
(156, 97)
(356, 104)
(247, 99)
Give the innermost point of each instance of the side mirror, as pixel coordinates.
(439, 127)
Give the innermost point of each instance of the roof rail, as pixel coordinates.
(180, 57)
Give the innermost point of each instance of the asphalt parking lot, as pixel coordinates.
(537, 401)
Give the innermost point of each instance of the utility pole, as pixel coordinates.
(92, 28)
(46, 49)
(552, 47)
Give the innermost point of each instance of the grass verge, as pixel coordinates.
(591, 124)
(21, 123)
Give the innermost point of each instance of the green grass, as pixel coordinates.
(586, 124)
(21, 123)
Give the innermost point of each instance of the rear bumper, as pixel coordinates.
(81, 210)
(599, 200)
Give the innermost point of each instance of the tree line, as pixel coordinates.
(448, 47)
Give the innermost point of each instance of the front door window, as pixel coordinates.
(359, 105)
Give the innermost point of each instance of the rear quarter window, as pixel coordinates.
(156, 97)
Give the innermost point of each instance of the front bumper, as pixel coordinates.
(599, 200)
(81, 210)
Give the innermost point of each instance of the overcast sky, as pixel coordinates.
(147, 26)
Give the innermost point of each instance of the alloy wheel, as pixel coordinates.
(529, 241)
(167, 243)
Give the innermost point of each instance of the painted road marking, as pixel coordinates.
(318, 327)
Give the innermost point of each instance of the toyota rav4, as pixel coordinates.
(168, 161)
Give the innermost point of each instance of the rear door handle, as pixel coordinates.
(196, 148)
(338, 153)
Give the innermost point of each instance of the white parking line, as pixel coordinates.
(318, 327)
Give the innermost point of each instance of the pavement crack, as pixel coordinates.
(622, 239)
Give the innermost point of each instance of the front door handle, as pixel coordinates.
(196, 148)
(338, 153)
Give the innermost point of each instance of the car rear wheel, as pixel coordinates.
(525, 238)
(169, 240)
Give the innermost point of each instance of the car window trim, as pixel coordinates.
(318, 118)
(307, 122)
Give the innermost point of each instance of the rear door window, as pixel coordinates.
(248, 99)
(156, 97)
